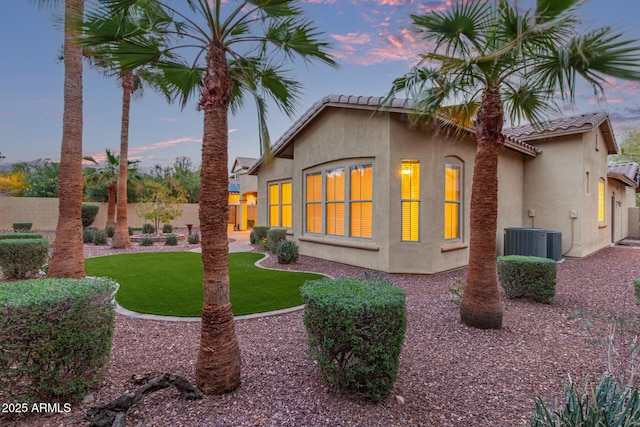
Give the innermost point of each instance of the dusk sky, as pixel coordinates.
(371, 39)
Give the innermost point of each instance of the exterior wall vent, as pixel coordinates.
(525, 241)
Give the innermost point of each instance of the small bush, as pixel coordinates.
(4, 236)
(287, 252)
(167, 229)
(88, 233)
(130, 230)
(604, 406)
(171, 240)
(274, 237)
(252, 237)
(355, 332)
(22, 227)
(260, 232)
(194, 238)
(528, 277)
(56, 338)
(100, 237)
(636, 290)
(456, 291)
(89, 213)
(20, 258)
(148, 229)
(110, 230)
(146, 241)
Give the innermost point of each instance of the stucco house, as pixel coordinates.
(243, 193)
(361, 185)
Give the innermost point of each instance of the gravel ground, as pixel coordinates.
(450, 374)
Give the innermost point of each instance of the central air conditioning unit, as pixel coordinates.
(525, 241)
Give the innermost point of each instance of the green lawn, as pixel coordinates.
(170, 283)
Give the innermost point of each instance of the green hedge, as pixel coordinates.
(22, 227)
(89, 213)
(5, 236)
(20, 258)
(56, 337)
(355, 332)
(274, 237)
(259, 233)
(528, 277)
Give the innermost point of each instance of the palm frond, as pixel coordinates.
(180, 80)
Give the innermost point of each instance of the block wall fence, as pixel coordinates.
(43, 213)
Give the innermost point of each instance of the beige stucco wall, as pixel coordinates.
(634, 221)
(43, 213)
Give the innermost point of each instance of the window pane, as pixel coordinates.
(335, 219)
(335, 185)
(273, 194)
(286, 216)
(361, 219)
(314, 218)
(600, 201)
(362, 182)
(286, 193)
(452, 183)
(274, 217)
(410, 221)
(410, 179)
(452, 186)
(314, 188)
(451, 221)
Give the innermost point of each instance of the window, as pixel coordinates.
(280, 205)
(335, 201)
(452, 202)
(313, 202)
(361, 195)
(410, 200)
(601, 189)
(339, 201)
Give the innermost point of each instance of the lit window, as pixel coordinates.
(361, 196)
(452, 202)
(601, 200)
(313, 202)
(410, 195)
(280, 205)
(335, 201)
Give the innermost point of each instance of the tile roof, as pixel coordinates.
(243, 163)
(627, 173)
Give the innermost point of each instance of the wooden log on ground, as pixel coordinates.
(113, 414)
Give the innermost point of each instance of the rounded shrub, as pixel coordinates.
(194, 238)
(355, 332)
(252, 237)
(89, 213)
(100, 237)
(88, 233)
(260, 233)
(20, 258)
(110, 230)
(148, 229)
(167, 228)
(146, 241)
(287, 252)
(20, 236)
(56, 338)
(22, 227)
(528, 277)
(274, 237)
(171, 240)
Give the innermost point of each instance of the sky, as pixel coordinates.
(370, 39)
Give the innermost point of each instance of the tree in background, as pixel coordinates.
(491, 58)
(41, 178)
(239, 47)
(160, 204)
(183, 173)
(629, 149)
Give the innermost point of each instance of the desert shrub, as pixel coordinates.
(20, 258)
(110, 230)
(89, 213)
(100, 237)
(456, 291)
(355, 332)
(130, 230)
(260, 232)
(171, 240)
(528, 277)
(88, 233)
(148, 229)
(167, 228)
(636, 290)
(56, 337)
(4, 236)
(194, 238)
(274, 237)
(22, 227)
(252, 237)
(607, 405)
(146, 241)
(287, 252)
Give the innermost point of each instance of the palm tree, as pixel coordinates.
(104, 32)
(67, 259)
(239, 48)
(488, 59)
(108, 175)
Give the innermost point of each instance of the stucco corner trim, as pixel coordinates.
(453, 247)
(367, 246)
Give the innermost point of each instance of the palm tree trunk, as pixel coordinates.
(481, 306)
(111, 205)
(121, 239)
(68, 251)
(218, 366)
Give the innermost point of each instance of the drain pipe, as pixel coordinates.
(573, 220)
